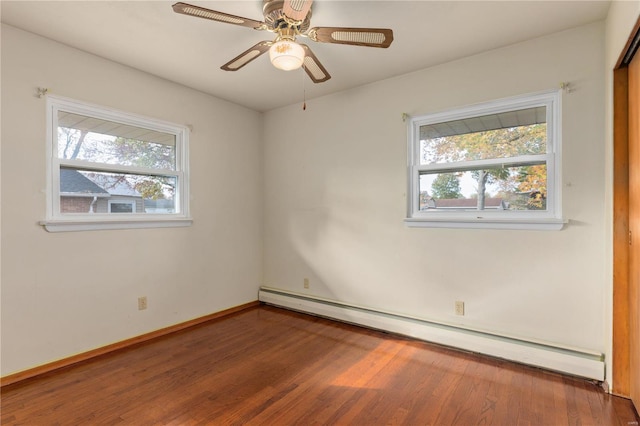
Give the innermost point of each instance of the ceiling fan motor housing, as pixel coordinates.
(289, 19)
(275, 19)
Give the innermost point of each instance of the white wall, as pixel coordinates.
(334, 200)
(335, 188)
(67, 293)
(621, 19)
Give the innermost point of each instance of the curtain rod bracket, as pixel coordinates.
(566, 86)
(41, 91)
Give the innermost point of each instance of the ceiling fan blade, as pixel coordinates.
(313, 67)
(201, 12)
(247, 56)
(371, 37)
(296, 9)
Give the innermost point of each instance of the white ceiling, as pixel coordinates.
(149, 36)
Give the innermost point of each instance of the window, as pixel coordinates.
(492, 165)
(112, 170)
(121, 206)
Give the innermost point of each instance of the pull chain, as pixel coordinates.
(304, 93)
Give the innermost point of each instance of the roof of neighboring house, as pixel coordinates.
(467, 202)
(74, 182)
(115, 185)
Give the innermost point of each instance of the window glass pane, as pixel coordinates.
(503, 135)
(121, 207)
(509, 188)
(83, 191)
(101, 141)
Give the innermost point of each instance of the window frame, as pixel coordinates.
(60, 222)
(549, 219)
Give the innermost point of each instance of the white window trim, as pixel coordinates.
(550, 219)
(57, 222)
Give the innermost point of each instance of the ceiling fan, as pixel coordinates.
(289, 19)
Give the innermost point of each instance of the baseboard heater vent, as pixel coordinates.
(571, 361)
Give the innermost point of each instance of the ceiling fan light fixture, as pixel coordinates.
(286, 55)
(289, 19)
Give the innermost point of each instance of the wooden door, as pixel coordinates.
(626, 221)
(634, 229)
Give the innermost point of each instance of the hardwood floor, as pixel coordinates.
(267, 366)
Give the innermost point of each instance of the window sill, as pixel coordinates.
(98, 225)
(477, 223)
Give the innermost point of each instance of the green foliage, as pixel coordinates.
(446, 185)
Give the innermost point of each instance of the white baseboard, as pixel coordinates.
(571, 361)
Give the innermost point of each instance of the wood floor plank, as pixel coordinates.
(268, 366)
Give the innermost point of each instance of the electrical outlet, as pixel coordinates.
(142, 303)
(306, 283)
(459, 308)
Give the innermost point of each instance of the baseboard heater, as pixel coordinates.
(576, 362)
